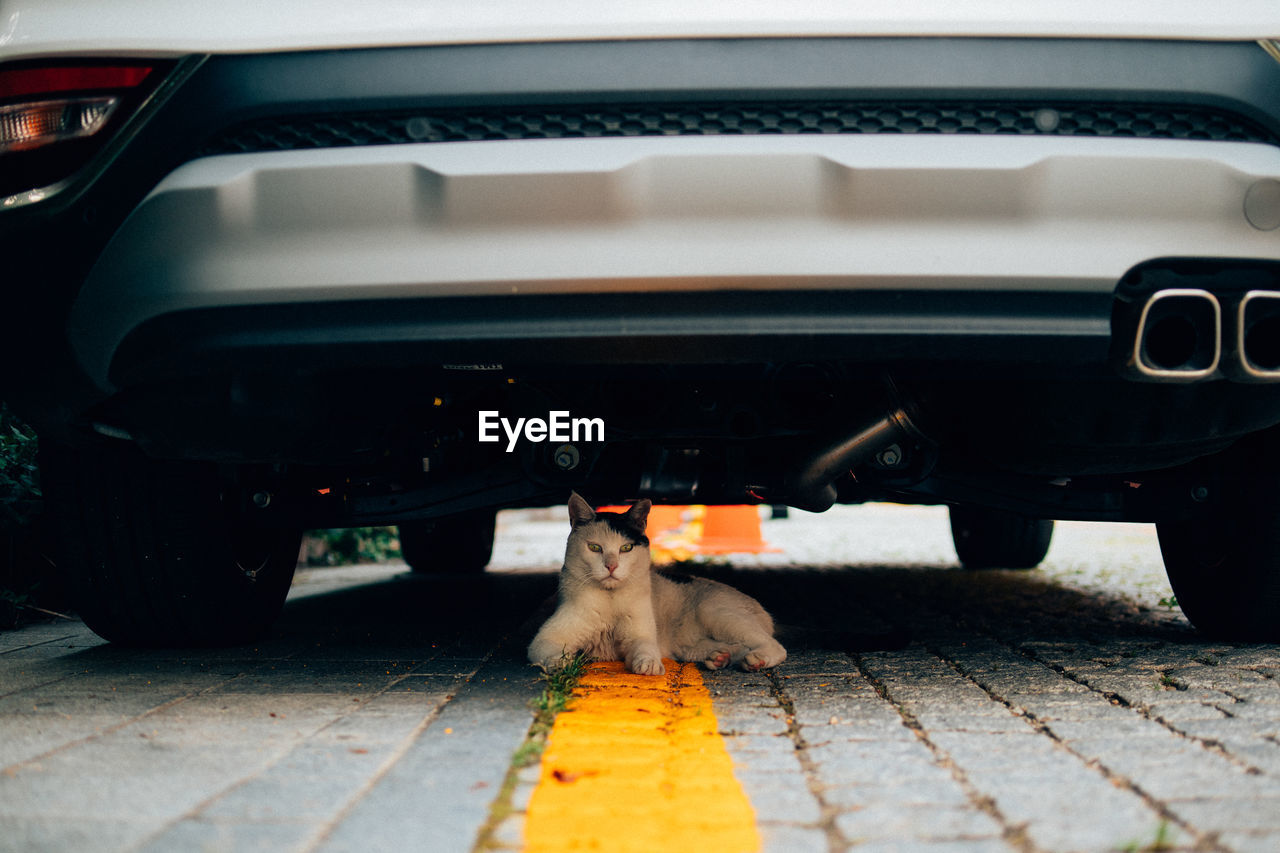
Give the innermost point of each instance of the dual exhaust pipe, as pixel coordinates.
(1191, 334)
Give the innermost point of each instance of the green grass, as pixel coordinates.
(558, 689)
(1162, 841)
(556, 692)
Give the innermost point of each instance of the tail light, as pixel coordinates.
(54, 117)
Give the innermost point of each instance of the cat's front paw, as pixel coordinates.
(550, 658)
(647, 666)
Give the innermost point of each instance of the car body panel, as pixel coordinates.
(537, 217)
(32, 28)
(957, 211)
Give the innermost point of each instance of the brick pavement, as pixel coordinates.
(922, 709)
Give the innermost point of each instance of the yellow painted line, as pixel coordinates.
(636, 763)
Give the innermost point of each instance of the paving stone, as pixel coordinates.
(1180, 712)
(1266, 731)
(238, 835)
(848, 710)
(1001, 720)
(784, 838)
(1120, 724)
(1065, 804)
(1065, 811)
(864, 754)
(779, 798)
(935, 789)
(897, 821)
(818, 663)
(1263, 713)
(764, 753)
(25, 834)
(752, 720)
(1250, 842)
(311, 782)
(1229, 814)
(412, 806)
(837, 765)
(965, 845)
(854, 730)
(1261, 755)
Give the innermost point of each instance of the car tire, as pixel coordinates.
(155, 553)
(1224, 568)
(994, 539)
(456, 545)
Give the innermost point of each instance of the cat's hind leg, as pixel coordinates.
(746, 628)
(711, 653)
(768, 654)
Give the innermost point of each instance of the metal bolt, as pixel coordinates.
(1200, 494)
(261, 500)
(890, 457)
(1047, 120)
(567, 457)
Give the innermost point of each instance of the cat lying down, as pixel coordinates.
(613, 607)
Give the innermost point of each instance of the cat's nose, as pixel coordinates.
(612, 567)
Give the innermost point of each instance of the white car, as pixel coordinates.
(276, 265)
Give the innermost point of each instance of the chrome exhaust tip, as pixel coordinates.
(1179, 336)
(1257, 340)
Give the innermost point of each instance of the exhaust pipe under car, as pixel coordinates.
(1179, 336)
(812, 486)
(1257, 339)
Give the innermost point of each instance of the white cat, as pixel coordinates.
(613, 607)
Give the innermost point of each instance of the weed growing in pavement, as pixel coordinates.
(19, 474)
(1170, 602)
(553, 699)
(1162, 841)
(555, 695)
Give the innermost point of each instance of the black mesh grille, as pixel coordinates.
(472, 124)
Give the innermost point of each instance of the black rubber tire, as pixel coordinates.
(1224, 567)
(153, 555)
(456, 545)
(994, 539)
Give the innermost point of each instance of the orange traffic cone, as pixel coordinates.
(661, 518)
(732, 530)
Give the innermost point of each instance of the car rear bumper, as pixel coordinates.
(907, 218)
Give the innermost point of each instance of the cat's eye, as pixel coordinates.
(594, 547)
(625, 548)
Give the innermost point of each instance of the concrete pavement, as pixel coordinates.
(922, 708)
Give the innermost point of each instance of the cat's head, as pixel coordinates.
(607, 548)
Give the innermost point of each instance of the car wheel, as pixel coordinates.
(993, 539)
(457, 545)
(155, 553)
(1224, 568)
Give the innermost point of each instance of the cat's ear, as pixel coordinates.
(638, 515)
(580, 512)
